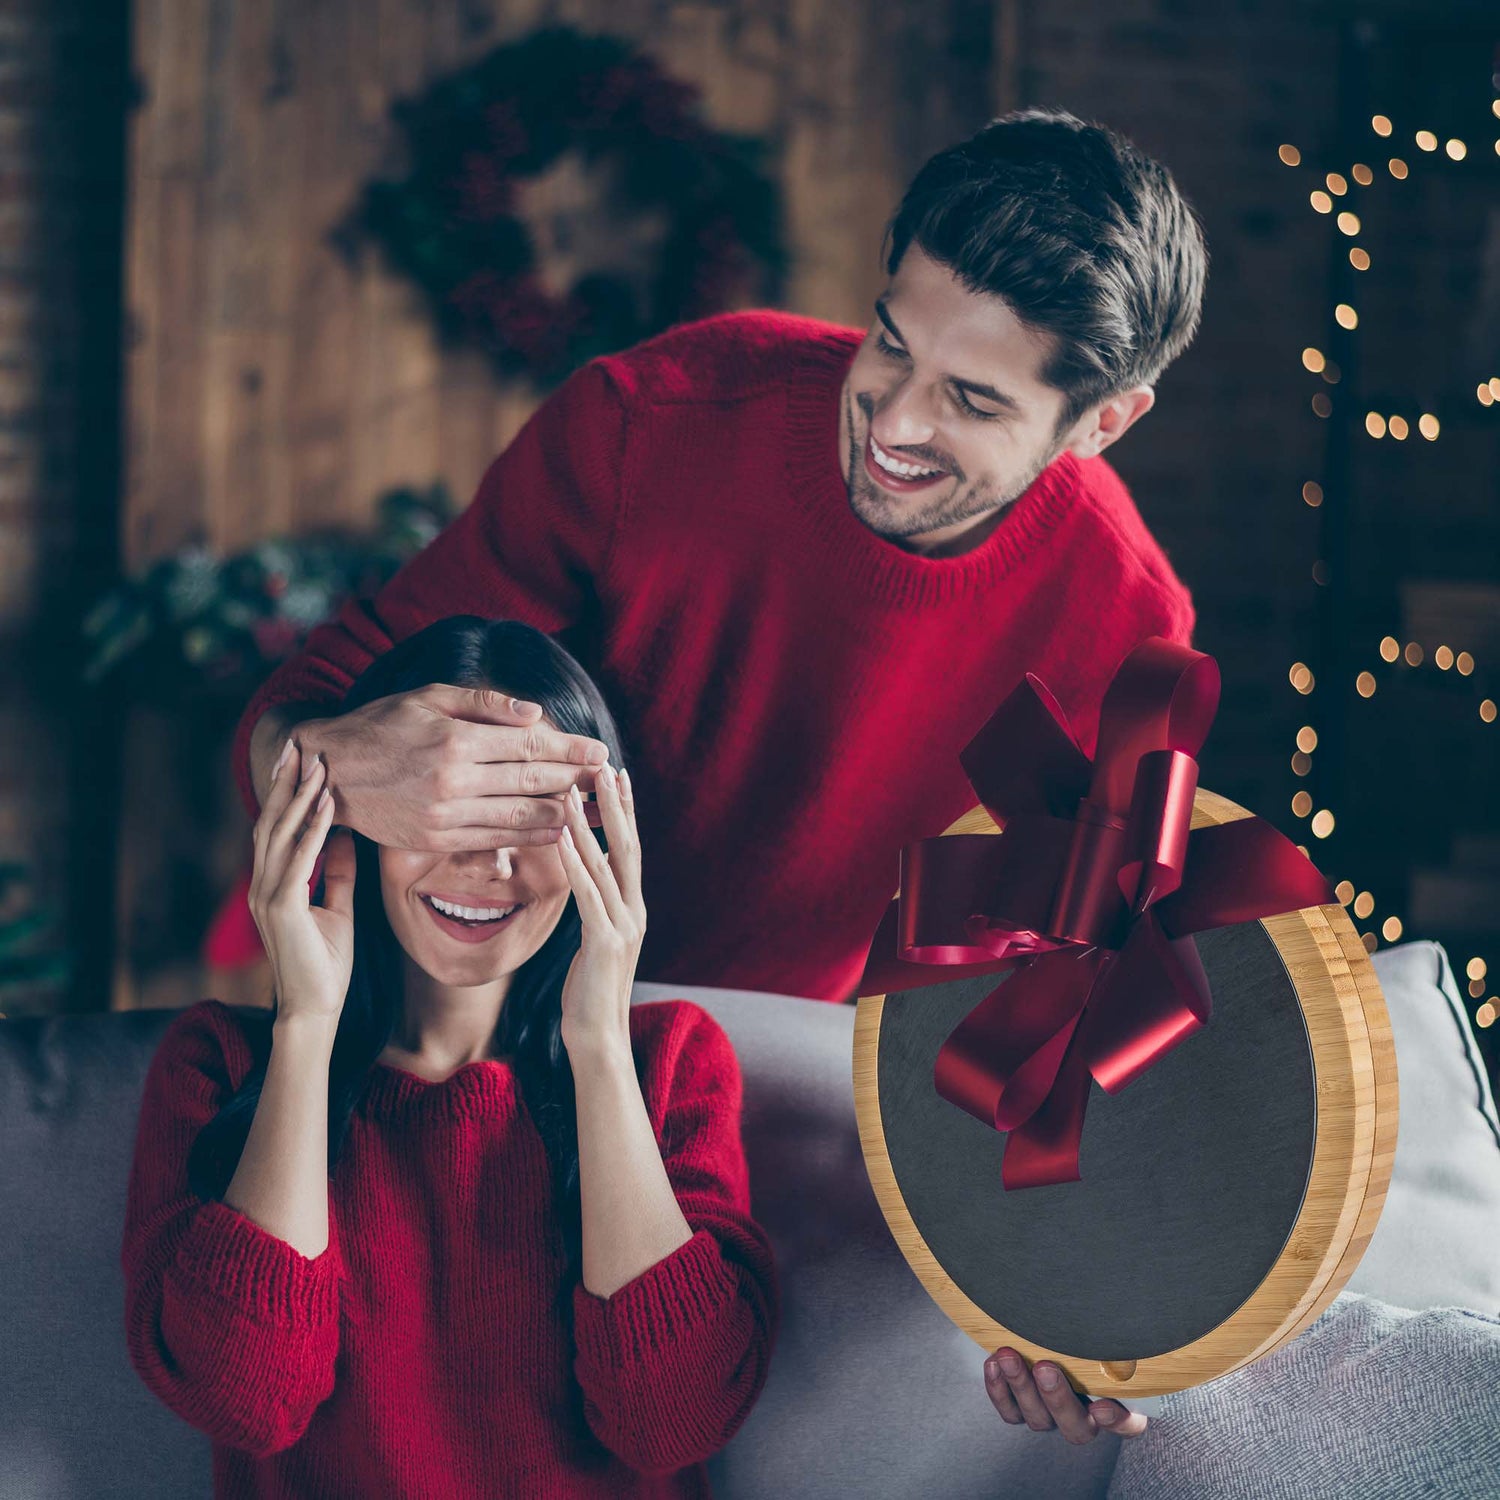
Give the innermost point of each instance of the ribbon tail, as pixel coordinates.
(1000, 1061)
(887, 973)
(1044, 1151)
(1152, 997)
(1239, 872)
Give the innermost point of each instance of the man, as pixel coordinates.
(804, 565)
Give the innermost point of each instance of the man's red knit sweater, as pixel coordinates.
(426, 1351)
(794, 690)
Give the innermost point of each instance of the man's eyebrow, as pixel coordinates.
(977, 387)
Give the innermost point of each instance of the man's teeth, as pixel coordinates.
(895, 466)
(472, 913)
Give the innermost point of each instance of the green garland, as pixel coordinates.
(195, 623)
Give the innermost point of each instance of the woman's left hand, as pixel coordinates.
(1042, 1398)
(607, 888)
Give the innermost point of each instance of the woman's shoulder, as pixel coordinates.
(682, 1050)
(213, 1042)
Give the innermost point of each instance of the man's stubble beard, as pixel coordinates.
(887, 517)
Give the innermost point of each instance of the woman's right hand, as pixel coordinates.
(311, 948)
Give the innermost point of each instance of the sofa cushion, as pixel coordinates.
(1371, 1400)
(1435, 1244)
(872, 1391)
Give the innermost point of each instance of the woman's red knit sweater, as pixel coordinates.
(426, 1352)
(794, 690)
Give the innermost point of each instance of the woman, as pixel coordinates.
(457, 1220)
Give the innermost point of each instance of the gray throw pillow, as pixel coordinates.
(1372, 1401)
(1438, 1240)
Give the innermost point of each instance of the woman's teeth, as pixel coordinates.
(471, 913)
(894, 465)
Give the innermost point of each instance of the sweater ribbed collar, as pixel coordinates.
(482, 1088)
(849, 550)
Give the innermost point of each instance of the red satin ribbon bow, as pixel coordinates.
(1090, 894)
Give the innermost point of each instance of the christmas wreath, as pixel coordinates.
(566, 198)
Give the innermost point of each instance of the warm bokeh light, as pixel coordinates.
(1442, 658)
(1413, 654)
(1322, 404)
(1485, 394)
(1349, 223)
(1345, 316)
(1476, 968)
(1380, 125)
(1427, 140)
(1312, 359)
(1361, 174)
(1344, 890)
(1321, 201)
(1301, 764)
(1370, 941)
(1364, 684)
(1485, 1015)
(1312, 493)
(1487, 710)
(1464, 662)
(1322, 824)
(1397, 168)
(1364, 904)
(1359, 259)
(1337, 184)
(1331, 373)
(1456, 149)
(1374, 424)
(1302, 804)
(1427, 425)
(1290, 155)
(1301, 677)
(1494, 385)
(1390, 648)
(1476, 987)
(1398, 428)
(1390, 929)
(1307, 739)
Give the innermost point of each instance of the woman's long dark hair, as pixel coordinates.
(465, 651)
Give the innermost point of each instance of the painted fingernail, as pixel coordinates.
(1010, 1363)
(575, 797)
(323, 799)
(286, 752)
(608, 775)
(625, 781)
(566, 837)
(1048, 1377)
(1101, 1413)
(309, 764)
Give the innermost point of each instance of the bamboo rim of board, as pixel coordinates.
(1354, 1145)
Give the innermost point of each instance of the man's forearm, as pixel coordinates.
(270, 734)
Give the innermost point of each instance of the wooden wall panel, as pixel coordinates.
(273, 387)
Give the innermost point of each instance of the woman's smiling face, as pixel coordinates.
(512, 897)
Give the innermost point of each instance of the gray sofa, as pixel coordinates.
(872, 1392)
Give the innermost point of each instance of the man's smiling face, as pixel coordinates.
(944, 418)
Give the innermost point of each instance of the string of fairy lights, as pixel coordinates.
(1339, 187)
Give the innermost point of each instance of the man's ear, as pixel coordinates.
(1108, 422)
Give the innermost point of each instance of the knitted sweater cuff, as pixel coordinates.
(684, 1291)
(233, 1258)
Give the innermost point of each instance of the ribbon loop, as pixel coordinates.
(1088, 899)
